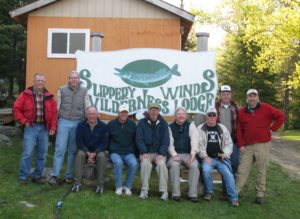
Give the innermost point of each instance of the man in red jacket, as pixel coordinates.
(256, 123)
(35, 109)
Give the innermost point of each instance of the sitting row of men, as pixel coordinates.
(215, 142)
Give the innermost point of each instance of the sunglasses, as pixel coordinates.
(211, 115)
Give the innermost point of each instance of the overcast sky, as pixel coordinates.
(216, 33)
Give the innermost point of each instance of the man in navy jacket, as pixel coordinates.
(152, 139)
(92, 141)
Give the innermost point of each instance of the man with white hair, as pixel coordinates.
(215, 149)
(183, 149)
(122, 149)
(256, 122)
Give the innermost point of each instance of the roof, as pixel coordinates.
(187, 19)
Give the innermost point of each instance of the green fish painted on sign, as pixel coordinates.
(146, 73)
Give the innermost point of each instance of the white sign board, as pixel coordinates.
(138, 77)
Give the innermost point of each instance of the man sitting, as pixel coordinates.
(92, 141)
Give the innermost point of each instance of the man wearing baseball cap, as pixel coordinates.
(152, 139)
(256, 122)
(122, 149)
(215, 148)
(228, 112)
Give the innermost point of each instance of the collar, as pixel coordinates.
(248, 109)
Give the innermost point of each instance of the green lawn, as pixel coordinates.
(293, 135)
(282, 198)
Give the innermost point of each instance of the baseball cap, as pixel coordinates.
(123, 107)
(225, 88)
(252, 91)
(154, 105)
(211, 110)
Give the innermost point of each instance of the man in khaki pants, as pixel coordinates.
(152, 140)
(255, 124)
(184, 145)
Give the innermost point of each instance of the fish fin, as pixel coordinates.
(118, 70)
(174, 70)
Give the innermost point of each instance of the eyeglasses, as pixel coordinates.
(212, 115)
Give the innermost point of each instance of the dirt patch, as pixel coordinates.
(287, 155)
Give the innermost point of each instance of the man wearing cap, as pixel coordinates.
(92, 141)
(215, 147)
(152, 139)
(257, 121)
(228, 112)
(122, 149)
(183, 149)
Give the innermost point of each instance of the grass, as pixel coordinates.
(292, 135)
(282, 198)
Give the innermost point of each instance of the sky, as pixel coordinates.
(217, 34)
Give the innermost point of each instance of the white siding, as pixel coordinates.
(103, 8)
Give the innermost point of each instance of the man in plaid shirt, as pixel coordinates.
(35, 109)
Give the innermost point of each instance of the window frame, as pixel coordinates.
(68, 32)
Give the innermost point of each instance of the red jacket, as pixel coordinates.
(255, 127)
(25, 109)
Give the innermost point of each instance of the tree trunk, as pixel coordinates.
(11, 87)
(286, 108)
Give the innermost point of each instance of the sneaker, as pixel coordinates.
(23, 181)
(127, 191)
(164, 196)
(37, 180)
(76, 187)
(259, 200)
(207, 197)
(176, 198)
(99, 189)
(194, 199)
(68, 180)
(235, 204)
(118, 191)
(143, 194)
(53, 180)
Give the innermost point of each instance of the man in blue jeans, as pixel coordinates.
(215, 146)
(72, 102)
(35, 109)
(122, 149)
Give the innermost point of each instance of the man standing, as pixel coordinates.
(152, 139)
(228, 112)
(35, 109)
(122, 149)
(183, 149)
(72, 101)
(92, 141)
(256, 123)
(215, 149)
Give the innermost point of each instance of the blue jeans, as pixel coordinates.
(66, 137)
(223, 167)
(118, 161)
(37, 135)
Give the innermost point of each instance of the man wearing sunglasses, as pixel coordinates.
(215, 147)
(256, 123)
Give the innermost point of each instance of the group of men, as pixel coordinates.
(230, 140)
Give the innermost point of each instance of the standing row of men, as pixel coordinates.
(216, 141)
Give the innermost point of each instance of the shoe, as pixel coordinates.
(259, 200)
(194, 199)
(76, 187)
(37, 180)
(235, 204)
(23, 181)
(176, 198)
(144, 194)
(118, 191)
(127, 191)
(207, 197)
(68, 180)
(164, 196)
(53, 180)
(99, 189)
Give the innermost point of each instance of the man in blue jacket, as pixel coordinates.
(152, 139)
(92, 141)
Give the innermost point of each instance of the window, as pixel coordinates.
(63, 43)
